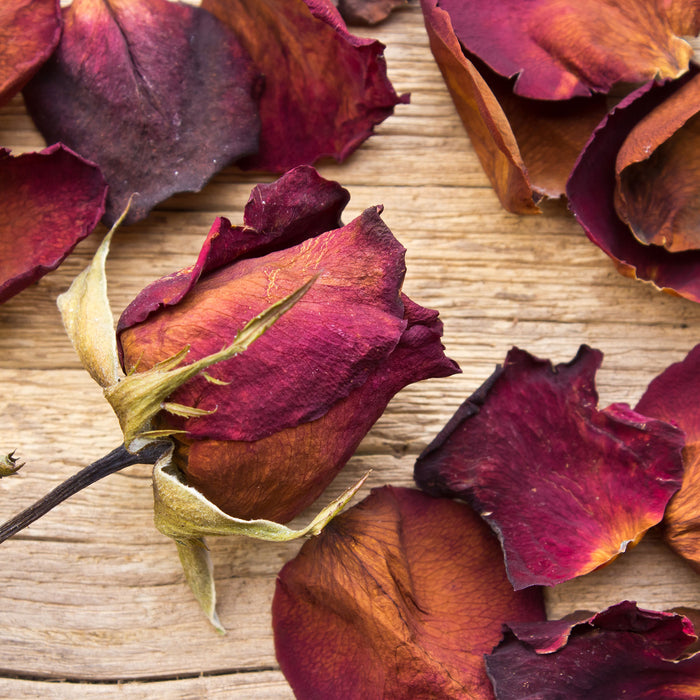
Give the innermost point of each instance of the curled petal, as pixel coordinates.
(566, 486)
(49, 201)
(526, 147)
(29, 32)
(623, 651)
(175, 80)
(657, 174)
(325, 89)
(564, 48)
(639, 168)
(400, 596)
(672, 397)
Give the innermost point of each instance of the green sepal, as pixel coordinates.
(186, 516)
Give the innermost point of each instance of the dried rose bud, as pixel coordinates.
(267, 431)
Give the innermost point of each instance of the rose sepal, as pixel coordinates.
(186, 516)
(137, 397)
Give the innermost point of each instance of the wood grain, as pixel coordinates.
(92, 599)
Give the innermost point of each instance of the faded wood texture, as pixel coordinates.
(93, 596)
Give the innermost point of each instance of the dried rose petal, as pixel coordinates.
(29, 32)
(167, 78)
(566, 486)
(672, 397)
(622, 652)
(639, 168)
(298, 402)
(564, 48)
(657, 173)
(325, 89)
(367, 11)
(526, 147)
(49, 201)
(398, 597)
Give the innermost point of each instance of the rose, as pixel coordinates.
(280, 420)
(634, 188)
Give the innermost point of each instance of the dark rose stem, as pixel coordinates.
(113, 462)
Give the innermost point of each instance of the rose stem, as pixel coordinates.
(114, 461)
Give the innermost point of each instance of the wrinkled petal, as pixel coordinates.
(622, 652)
(658, 173)
(566, 486)
(672, 397)
(325, 89)
(49, 201)
(29, 32)
(280, 475)
(628, 170)
(564, 48)
(172, 79)
(399, 597)
(367, 11)
(295, 207)
(527, 148)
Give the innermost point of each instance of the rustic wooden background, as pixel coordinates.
(92, 598)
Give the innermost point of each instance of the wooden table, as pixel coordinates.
(93, 595)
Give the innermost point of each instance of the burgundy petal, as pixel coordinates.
(563, 48)
(399, 597)
(325, 89)
(566, 486)
(172, 81)
(592, 197)
(29, 32)
(49, 201)
(623, 652)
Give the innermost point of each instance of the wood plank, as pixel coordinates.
(92, 595)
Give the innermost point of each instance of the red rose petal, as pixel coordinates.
(595, 180)
(172, 80)
(566, 486)
(49, 201)
(672, 397)
(563, 48)
(325, 89)
(657, 173)
(29, 32)
(623, 652)
(399, 597)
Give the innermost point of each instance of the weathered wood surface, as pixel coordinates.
(93, 595)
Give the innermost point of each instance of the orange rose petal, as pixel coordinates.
(29, 32)
(672, 397)
(399, 597)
